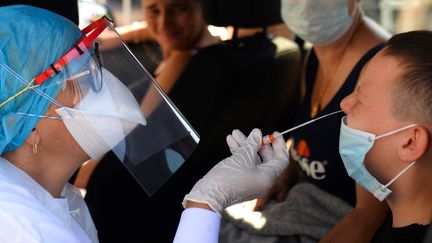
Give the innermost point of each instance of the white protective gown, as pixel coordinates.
(198, 225)
(28, 213)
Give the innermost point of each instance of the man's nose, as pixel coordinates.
(347, 103)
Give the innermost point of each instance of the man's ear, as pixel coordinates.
(415, 145)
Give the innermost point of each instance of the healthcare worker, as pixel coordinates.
(63, 101)
(37, 157)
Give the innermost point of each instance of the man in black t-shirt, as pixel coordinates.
(385, 138)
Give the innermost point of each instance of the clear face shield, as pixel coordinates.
(115, 104)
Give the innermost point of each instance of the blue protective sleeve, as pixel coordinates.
(198, 225)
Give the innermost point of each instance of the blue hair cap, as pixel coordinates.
(31, 39)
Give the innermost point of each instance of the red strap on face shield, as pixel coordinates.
(90, 33)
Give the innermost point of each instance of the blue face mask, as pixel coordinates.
(353, 147)
(318, 21)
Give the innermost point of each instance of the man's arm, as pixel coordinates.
(360, 224)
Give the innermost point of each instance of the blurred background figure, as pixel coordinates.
(180, 30)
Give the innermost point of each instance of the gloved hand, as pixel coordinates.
(278, 190)
(242, 176)
(237, 139)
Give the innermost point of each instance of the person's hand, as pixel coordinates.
(237, 139)
(242, 176)
(279, 190)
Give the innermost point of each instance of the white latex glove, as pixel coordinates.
(236, 139)
(242, 176)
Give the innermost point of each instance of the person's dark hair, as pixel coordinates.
(412, 97)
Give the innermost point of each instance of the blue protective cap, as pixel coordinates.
(30, 40)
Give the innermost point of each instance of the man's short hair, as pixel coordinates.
(412, 94)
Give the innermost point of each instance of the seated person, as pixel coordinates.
(384, 145)
(385, 137)
(179, 29)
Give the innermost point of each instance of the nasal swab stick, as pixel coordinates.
(269, 138)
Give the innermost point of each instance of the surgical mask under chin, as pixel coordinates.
(353, 147)
(317, 21)
(100, 121)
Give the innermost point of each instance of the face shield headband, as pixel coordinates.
(90, 33)
(119, 107)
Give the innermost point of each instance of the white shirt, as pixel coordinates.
(29, 213)
(198, 225)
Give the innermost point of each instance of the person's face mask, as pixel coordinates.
(101, 120)
(353, 147)
(317, 21)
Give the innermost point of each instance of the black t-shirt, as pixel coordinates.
(411, 233)
(316, 147)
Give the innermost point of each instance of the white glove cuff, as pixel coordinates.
(214, 204)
